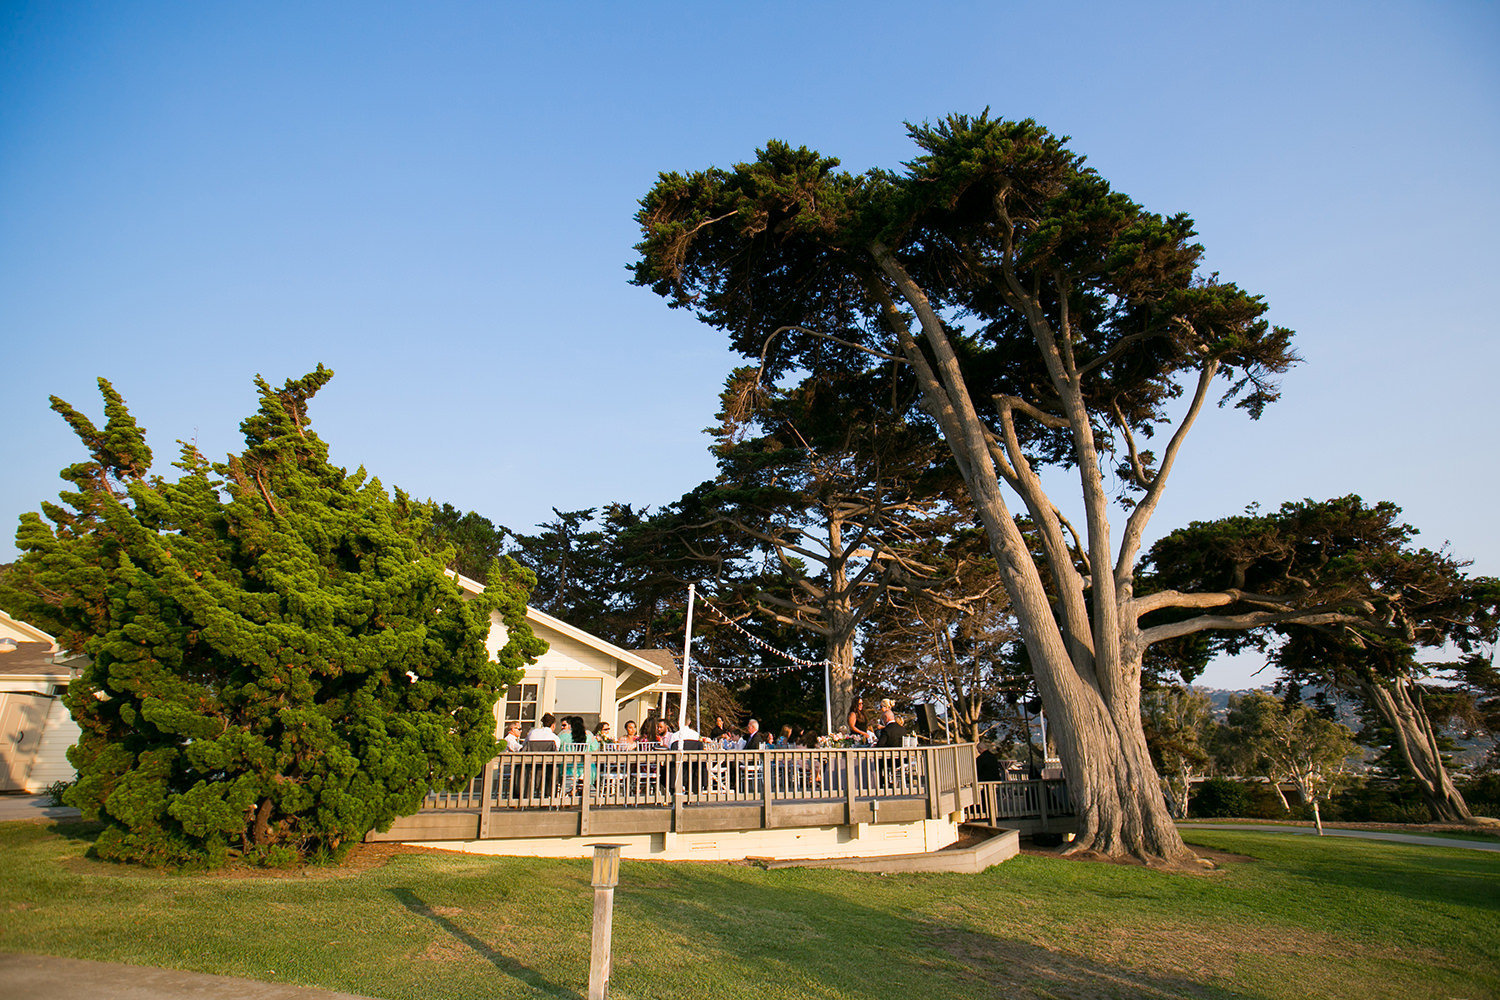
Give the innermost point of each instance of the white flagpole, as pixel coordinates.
(687, 660)
(828, 694)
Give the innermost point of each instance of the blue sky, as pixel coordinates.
(435, 200)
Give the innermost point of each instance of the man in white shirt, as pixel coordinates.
(544, 733)
(687, 732)
(513, 737)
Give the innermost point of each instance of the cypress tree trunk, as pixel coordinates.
(1400, 705)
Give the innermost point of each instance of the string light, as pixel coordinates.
(796, 662)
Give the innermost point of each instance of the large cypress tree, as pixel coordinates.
(278, 663)
(1047, 320)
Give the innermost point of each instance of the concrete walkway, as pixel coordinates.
(1395, 838)
(33, 807)
(39, 977)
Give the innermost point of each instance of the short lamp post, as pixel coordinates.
(606, 877)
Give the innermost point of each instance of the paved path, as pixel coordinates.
(1397, 838)
(33, 807)
(39, 977)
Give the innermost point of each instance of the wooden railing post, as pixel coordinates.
(1041, 801)
(848, 787)
(585, 794)
(765, 786)
(933, 772)
(484, 799)
(678, 781)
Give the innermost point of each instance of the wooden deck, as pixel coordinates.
(620, 793)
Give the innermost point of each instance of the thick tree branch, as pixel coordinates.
(1137, 469)
(1248, 620)
(1135, 527)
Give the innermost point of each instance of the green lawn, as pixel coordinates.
(1307, 918)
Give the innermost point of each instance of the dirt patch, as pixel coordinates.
(1208, 859)
(1220, 857)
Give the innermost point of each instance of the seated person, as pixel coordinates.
(544, 734)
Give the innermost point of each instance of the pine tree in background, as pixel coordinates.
(278, 664)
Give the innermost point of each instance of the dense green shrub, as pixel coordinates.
(1378, 801)
(1219, 797)
(278, 664)
(1483, 794)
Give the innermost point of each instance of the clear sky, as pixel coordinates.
(436, 199)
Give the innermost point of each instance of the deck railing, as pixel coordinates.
(626, 778)
(1034, 803)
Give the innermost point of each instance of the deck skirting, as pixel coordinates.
(840, 841)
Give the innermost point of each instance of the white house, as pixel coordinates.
(35, 727)
(580, 674)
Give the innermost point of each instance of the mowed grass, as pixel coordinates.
(1306, 918)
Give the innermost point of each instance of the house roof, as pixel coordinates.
(636, 660)
(671, 669)
(30, 659)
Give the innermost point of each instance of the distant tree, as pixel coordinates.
(1045, 320)
(475, 540)
(828, 488)
(948, 637)
(1292, 742)
(278, 664)
(574, 566)
(1180, 729)
(1378, 602)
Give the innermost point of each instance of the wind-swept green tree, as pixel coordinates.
(1385, 613)
(279, 665)
(1045, 320)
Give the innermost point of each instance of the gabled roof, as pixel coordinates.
(24, 631)
(671, 667)
(636, 660)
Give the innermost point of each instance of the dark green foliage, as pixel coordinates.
(1378, 801)
(1219, 797)
(1483, 794)
(278, 664)
(474, 539)
(56, 791)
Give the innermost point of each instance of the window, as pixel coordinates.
(579, 696)
(520, 705)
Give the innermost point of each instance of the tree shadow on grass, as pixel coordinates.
(818, 944)
(499, 960)
(75, 829)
